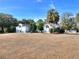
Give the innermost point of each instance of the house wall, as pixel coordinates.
(23, 29)
(47, 27)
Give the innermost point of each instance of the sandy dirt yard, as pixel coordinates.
(39, 46)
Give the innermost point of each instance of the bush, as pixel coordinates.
(32, 28)
(62, 30)
(51, 30)
(1, 31)
(59, 30)
(11, 29)
(40, 26)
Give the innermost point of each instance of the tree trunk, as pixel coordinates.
(2, 29)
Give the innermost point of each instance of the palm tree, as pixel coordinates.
(53, 16)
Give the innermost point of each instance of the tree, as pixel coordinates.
(68, 21)
(77, 17)
(14, 22)
(25, 21)
(32, 25)
(53, 16)
(40, 25)
(67, 15)
(77, 20)
(12, 28)
(5, 21)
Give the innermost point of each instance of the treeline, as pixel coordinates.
(8, 23)
(66, 21)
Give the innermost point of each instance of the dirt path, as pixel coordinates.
(39, 46)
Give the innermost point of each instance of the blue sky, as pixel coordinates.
(37, 8)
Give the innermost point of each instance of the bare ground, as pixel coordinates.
(39, 46)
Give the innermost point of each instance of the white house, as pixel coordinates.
(22, 28)
(49, 26)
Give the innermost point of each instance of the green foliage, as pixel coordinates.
(51, 30)
(59, 30)
(77, 17)
(32, 26)
(1, 31)
(11, 29)
(68, 22)
(53, 16)
(6, 21)
(56, 30)
(40, 25)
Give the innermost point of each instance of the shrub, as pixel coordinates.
(59, 30)
(32, 28)
(1, 31)
(11, 29)
(51, 30)
(62, 30)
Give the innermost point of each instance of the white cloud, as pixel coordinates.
(39, 1)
